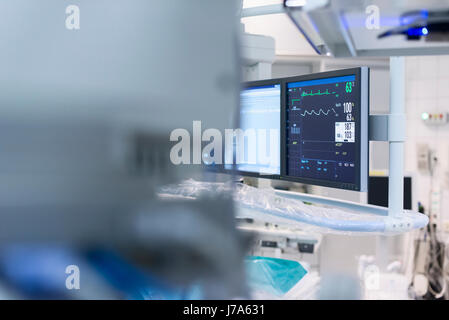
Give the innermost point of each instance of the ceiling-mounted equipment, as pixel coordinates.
(343, 28)
(433, 26)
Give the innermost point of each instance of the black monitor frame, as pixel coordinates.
(362, 160)
(362, 139)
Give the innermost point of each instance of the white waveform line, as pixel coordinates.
(319, 112)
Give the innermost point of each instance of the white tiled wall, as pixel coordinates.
(427, 90)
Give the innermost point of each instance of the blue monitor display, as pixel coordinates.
(260, 112)
(324, 120)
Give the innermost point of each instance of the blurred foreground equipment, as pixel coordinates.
(85, 121)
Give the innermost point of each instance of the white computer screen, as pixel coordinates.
(260, 112)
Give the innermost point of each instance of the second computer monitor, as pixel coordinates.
(260, 122)
(326, 129)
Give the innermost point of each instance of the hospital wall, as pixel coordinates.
(427, 90)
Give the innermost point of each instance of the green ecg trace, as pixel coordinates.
(311, 94)
(319, 93)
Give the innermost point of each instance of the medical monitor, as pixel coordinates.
(257, 140)
(325, 129)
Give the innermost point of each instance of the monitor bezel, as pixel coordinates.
(362, 148)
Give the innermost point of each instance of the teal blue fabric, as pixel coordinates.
(272, 275)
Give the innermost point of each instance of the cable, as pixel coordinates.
(435, 270)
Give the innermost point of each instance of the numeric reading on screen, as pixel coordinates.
(321, 123)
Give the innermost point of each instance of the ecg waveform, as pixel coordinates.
(321, 111)
(318, 93)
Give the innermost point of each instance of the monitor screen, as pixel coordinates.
(326, 129)
(260, 112)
